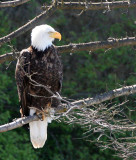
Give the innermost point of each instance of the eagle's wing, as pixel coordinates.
(59, 72)
(59, 82)
(22, 79)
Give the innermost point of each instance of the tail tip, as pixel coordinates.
(38, 144)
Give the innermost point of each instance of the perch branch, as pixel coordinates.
(95, 6)
(78, 104)
(90, 46)
(18, 123)
(13, 3)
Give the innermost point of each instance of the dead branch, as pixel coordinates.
(98, 99)
(95, 6)
(8, 57)
(44, 15)
(13, 3)
(79, 104)
(18, 123)
(127, 90)
(90, 46)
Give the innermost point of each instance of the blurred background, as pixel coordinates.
(85, 75)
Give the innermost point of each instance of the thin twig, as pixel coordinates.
(18, 123)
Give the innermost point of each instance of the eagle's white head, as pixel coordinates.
(42, 37)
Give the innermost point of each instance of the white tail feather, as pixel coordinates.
(38, 131)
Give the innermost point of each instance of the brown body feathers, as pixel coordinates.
(38, 73)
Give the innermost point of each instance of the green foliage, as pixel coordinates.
(12, 146)
(66, 142)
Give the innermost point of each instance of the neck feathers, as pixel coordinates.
(39, 54)
(42, 46)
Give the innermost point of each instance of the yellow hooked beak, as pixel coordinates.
(56, 35)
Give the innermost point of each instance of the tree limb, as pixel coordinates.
(13, 3)
(95, 6)
(78, 104)
(90, 46)
(44, 15)
(8, 57)
(18, 123)
(106, 96)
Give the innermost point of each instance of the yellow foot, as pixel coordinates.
(41, 116)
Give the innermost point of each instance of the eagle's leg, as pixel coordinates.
(46, 111)
(41, 115)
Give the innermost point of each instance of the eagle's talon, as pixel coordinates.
(40, 116)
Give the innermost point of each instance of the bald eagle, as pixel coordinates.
(38, 76)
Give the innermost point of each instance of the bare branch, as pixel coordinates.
(90, 46)
(44, 15)
(106, 96)
(96, 6)
(13, 3)
(18, 123)
(79, 104)
(8, 57)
